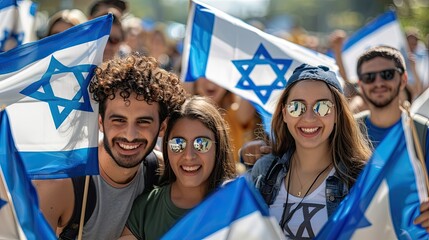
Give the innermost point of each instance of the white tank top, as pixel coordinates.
(110, 215)
(309, 218)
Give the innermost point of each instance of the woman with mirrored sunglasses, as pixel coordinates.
(197, 160)
(317, 153)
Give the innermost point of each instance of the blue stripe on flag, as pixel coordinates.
(392, 164)
(44, 165)
(231, 202)
(30, 52)
(22, 192)
(371, 27)
(202, 30)
(7, 3)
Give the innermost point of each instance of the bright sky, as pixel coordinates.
(241, 8)
(237, 8)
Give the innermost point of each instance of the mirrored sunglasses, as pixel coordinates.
(320, 108)
(387, 74)
(200, 144)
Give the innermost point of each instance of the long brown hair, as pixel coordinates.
(348, 147)
(202, 109)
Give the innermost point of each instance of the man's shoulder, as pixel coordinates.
(53, 185)
(56, 200)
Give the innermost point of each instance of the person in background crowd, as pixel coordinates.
(382, 77)
(159, 46)
(64, 20)
(418, 75)
(117, 34)
(102, 5)
(239, 113)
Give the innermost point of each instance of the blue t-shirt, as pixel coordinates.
(377, 134)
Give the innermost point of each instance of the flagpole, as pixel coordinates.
(406, 108)
(82, 214)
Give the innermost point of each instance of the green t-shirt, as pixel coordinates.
(153, 214)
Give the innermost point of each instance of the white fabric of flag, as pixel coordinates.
(235, 211)
(386, 197)
(241, 58)
(421, 104)
(385, 30)
(20, 217)
(25, 29)
(44, 88)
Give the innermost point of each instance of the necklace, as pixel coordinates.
(284, 220)
(299, 179)
(300, 183)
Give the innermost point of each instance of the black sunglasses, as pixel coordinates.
(387, 74)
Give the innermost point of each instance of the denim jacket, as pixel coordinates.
(335, 191)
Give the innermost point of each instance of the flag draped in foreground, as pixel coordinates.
(384, 30)
(235, 211)
(44, 89)
(242, 59)
(20, 217)
(386, 198)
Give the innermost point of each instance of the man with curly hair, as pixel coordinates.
(135, 96)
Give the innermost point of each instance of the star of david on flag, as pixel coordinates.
(262, 57)
(80, 100)
(386, 197)
(44, 88)
(240, 58)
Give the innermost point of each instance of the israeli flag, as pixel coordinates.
(386, 197)
(235, 211)
(383, 30)
(20, 217)
(25, 29)
(8, 16)
(241, 58)
(44, 90)
(421, 104)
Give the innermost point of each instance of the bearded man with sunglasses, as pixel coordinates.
(382, 76)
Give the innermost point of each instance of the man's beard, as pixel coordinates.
(385, 103)
(125, 163)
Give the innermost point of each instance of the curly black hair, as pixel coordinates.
(141, 75)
